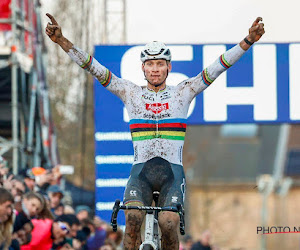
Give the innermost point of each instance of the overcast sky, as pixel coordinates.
(195, 21)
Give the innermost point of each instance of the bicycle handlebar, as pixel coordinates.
(178, 209)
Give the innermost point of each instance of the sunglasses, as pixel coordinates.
(63, 227)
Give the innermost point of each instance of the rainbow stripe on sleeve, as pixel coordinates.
(87, 63)
(224, 63)
(170, 129)
(107, 79)
(206, 78)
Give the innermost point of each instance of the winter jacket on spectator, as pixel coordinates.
(41, 235)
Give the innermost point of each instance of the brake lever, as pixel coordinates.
(181, 216)
(114, 215)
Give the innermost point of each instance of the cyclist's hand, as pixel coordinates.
(256, 31)
(53, 30)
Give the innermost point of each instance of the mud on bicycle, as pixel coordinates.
(152, 239)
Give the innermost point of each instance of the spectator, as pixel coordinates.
(69, 209)
(6, 218)
(97, 234)
(56, 174)
(29, 179)
(61, 233)
(23, 235)
(3, 170)
(115, 237)
(79, 242)
(33, 227)
(59, 210)
(16, 186)
(55, 195)
(204, 242)
(47, 235)
(32, 205)
(108, 245)
(43, 179)
(73, 224)
(18, 189)
(45, 212)
(70, 224)
(24, 231)
(100, 223)
(42, 232)
(45, 231)
(186, 243)
(82, 212)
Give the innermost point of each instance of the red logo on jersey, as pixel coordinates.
(156, 108)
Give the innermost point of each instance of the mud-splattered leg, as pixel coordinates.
(132, 237)
(168, 223)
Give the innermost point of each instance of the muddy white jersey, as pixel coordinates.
(157, 120)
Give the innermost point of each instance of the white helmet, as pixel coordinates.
(155, 50)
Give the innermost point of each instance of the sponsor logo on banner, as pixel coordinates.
(156, 108)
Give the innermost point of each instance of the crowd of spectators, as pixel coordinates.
(201, 242)
(33, 215)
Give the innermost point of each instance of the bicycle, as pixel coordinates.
(152, 236)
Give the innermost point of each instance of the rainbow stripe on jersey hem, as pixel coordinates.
(133, 203)
(169, 129)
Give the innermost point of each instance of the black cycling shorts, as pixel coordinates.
(156, 174)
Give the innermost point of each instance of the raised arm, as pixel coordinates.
(225, 61)
(255, 33)
(108, 80)
(231, 56)
(53, 30)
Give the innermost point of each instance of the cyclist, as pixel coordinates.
(158, 115)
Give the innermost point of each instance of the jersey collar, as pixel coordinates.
(152, 91)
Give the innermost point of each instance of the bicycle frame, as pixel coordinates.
(152, 238)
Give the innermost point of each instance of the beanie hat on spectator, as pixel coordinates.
(38, 171)
(27, 173)
(82, 208)
(55, 189)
